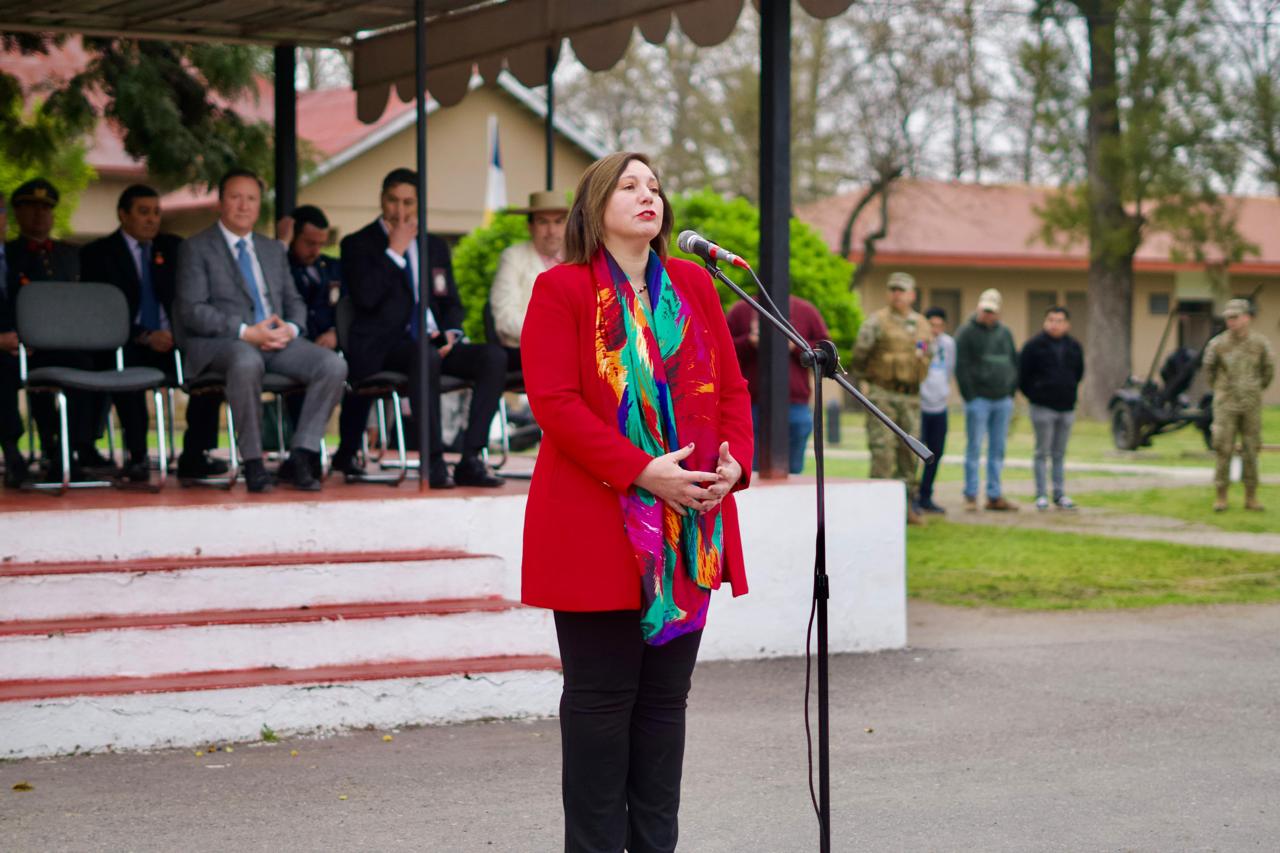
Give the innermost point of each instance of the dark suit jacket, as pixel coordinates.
(212, 298)
(382, 296)
(110, 261)
(61, 264)
(320, 310)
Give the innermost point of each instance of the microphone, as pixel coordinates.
(692, 243)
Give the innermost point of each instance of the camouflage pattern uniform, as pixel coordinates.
(1239, 368)
(892, 354)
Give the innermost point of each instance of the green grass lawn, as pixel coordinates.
(1037, 570)
(1195, 503)
(1090, 442)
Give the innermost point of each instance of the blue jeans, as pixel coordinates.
(799, 428)
(983, 418)
(933, 432)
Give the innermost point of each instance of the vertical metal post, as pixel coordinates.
(551, 117)
(286, 141)
(423, 417)
(775, 224)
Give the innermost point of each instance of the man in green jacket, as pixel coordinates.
(987, 373)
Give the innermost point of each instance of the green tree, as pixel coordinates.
(1155, 159)
(816, 273)
(475, 261)
(169, 99)
(66, 169)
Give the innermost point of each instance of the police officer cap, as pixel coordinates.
(37, 191)
(1236, 307)
(901, 281)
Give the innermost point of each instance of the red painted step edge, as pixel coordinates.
(29, 690)
(196, 561)
(315, 613)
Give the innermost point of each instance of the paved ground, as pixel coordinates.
(1151, 730)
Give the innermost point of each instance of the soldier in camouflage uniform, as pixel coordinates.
(892, 354)
(1239, 366)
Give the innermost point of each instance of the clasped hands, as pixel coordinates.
(269, 335)
(683, 490)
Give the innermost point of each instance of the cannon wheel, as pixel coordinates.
(1124, 426)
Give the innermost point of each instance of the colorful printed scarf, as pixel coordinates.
(662, 366)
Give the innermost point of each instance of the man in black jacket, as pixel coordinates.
(142, 262)
(380, 272)
(35, 256)
(1049, 369)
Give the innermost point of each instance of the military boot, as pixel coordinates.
(1251, 499)
(1220, 505)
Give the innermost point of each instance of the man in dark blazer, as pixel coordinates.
(380, 269)
(317, 276)
(239, 314)
(35, 256)
(142, 262)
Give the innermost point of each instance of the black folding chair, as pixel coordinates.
(82, 317)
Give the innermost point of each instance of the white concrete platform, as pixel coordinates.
(177, 565)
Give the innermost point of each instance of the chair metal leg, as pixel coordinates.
(234, 457)
(64, 442)
(171, 417)
(402, 462)
(160, 437)
(111, 436)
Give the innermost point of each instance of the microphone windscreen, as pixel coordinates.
(686, 240)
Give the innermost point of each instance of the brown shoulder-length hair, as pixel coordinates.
(584, 232)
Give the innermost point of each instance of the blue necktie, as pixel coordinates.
(246, 270)
(149, 306)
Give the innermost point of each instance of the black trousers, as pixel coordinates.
(202, 409)
(622, 724)
(484, 365)
(10, 420)
(933, 432)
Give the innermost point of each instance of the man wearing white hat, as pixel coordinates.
(987, 373)
(522, 263)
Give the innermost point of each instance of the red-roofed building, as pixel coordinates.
(959, 239)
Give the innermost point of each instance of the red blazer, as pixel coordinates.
(576, 552)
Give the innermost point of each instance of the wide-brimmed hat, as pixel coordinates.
(543, 201)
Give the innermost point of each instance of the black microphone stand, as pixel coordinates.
(824, 360)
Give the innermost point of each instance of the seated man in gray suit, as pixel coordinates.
(240, 314)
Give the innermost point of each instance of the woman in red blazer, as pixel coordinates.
(631, 373)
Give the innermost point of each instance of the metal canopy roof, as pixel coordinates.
(303, 22)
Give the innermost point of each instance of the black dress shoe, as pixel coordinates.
(472, 471)
(348, 465)
(299, 470)
(92, 460)
(198, 466)
(438, 475)
(15, 465)
(257, 477)
(138, 470)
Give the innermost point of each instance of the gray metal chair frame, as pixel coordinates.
(84, 317)
(514, 384)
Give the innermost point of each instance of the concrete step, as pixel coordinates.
(52, 591)
(147, 644)
(58, 716)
